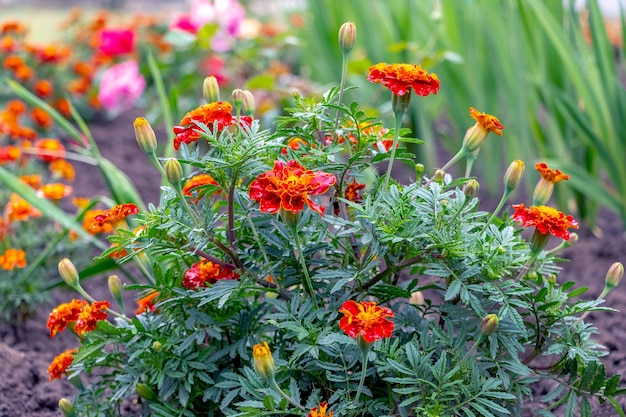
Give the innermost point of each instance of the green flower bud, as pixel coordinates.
(614, 275)
(513, 175)
(68, 272)
(66, 406)
(145, 392)
(471, 188)
(237, 99)
(211, 89)
(248, 105)
(347, 37)
(439, 175)
(263, 360)
(157, 346)
(174, 172)
(419, 170)
(145, 136)
(489, 324)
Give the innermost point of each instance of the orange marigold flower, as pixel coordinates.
(9, 154)
(288, 186)
(24, 73)
(22, 132)
(79, 86)
(116, 214)
(352, 191)
(486, 121)
(63, 106)
(366, 319)
(92, 226)
(551, 175)
(42, 118)
(119, 253)
(34, 181)
(401, 78)
(320, 411)
(81, 202)
(13, 62)
(84, 69)
(62, 168)
(294, 144)
(217, 112)
(13, 26)
(206, 272)
(52, 54)
(60, 363)
(63, 315)
(54, 191)
(89, 317)
(7, 44)
(49, 149)
(43, 88)
(147, 303)
(18, 209)
(194, 186)
(546, 220)
(12, 258)
(16, 107)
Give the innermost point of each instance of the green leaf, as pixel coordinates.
(265, 82)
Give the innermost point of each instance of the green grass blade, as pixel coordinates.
(166, 110)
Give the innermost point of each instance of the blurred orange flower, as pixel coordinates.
(34, 181)
(206, 272)
(147, 303)
(54, 191)
(62, 168)
(18, 209)
(42, 119)
(9, 154)
(116, 214)
(60, 363)
(43, 88)
(49, 149)
(12, 258)
(550, 175)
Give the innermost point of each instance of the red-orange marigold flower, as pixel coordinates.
(9, 154)
(352, 191)
(320, 411)
(116, 214)
(34, 181)
(43, 88)
(89, 317)
(63, 106)
(92, 226)
(206, 272)
(54, 191)
(545, 219)
(194, 184)
(147, 303)
(366, 319)
(60, 363)
(217, 112)
(62, 168)
(294, 144)
(288, 186)
(41, 118)
(13, 62)
(401, 78)
(12, 258)
(551, 175)
(50, 149)
(63, 315)
(18, 209)
(487, 122)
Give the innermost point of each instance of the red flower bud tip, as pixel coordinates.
(263, 360)
(347, 37)
(145, 135)
(614, 275)
(513, 175)
(211, 89)
(489, 324)
(68, 272)
(174, 172)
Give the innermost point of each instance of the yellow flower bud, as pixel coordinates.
(248, 105)
(157, 346)
(174, 172)
(439, 175)
(614, 275)
(211, 89)
(115, 286)
(489, 324)
(66, 406)
(263, 360)
(347, 37)
(145, 135)
(68, 272)
(543, 192)
(513, 175)
(145, 392)
(419, 170)
(471, 188)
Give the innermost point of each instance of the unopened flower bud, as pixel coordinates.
(248, 106)
(68, 272)
(145, 392)
(470, 189)
(614, 275)
(573, 238)
(157, 346)
(417, 298)
(66, 406)
(211, 89)
(439, 175)
(513, 175)
(347, 37)
(489, 324)
(174, 172)
(543, 192)
(419, 170)
(115, 286)
(400, 103)
(237, 99)
(145, 135)
(263, 360)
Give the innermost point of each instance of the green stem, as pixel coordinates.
(505, 196)
(363, 372)
(284, 395)
(344, 72)
(396, 136)
(305, 269)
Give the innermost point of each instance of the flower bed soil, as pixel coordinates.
(24, 359)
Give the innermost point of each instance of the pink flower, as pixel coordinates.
(183, 23)
(120, 86)
(114, 42)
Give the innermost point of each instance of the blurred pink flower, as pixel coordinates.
(114, 42)
(120, 86)
(183, 22)
(215, 65)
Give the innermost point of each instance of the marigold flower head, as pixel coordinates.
(43, 88)
(63, 106)
(18, 209)
(12, 258)
(33, 180)
(206, 272)
(63, 315)
(476, 135)
(7, 44)
(41, 118)
(401, 78)
(60, 363)
(551, 175)
(294, 144)
(89, 317)
(352, 191)
(13, 62)
(263, 360)
(24, 73)
(13, 26)
(16, 107)
(50, 149)
(52, 54)
(147, 303)
(209, 114)
(366, 319)
(288, 186)
(194, 186)
(9, 154)
(320, 411)
(54, 191)
(63, 169)
(117, 253)
(546, 220)
(116, 214)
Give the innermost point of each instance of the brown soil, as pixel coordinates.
(24, 386)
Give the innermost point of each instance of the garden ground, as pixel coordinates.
(24, 386)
